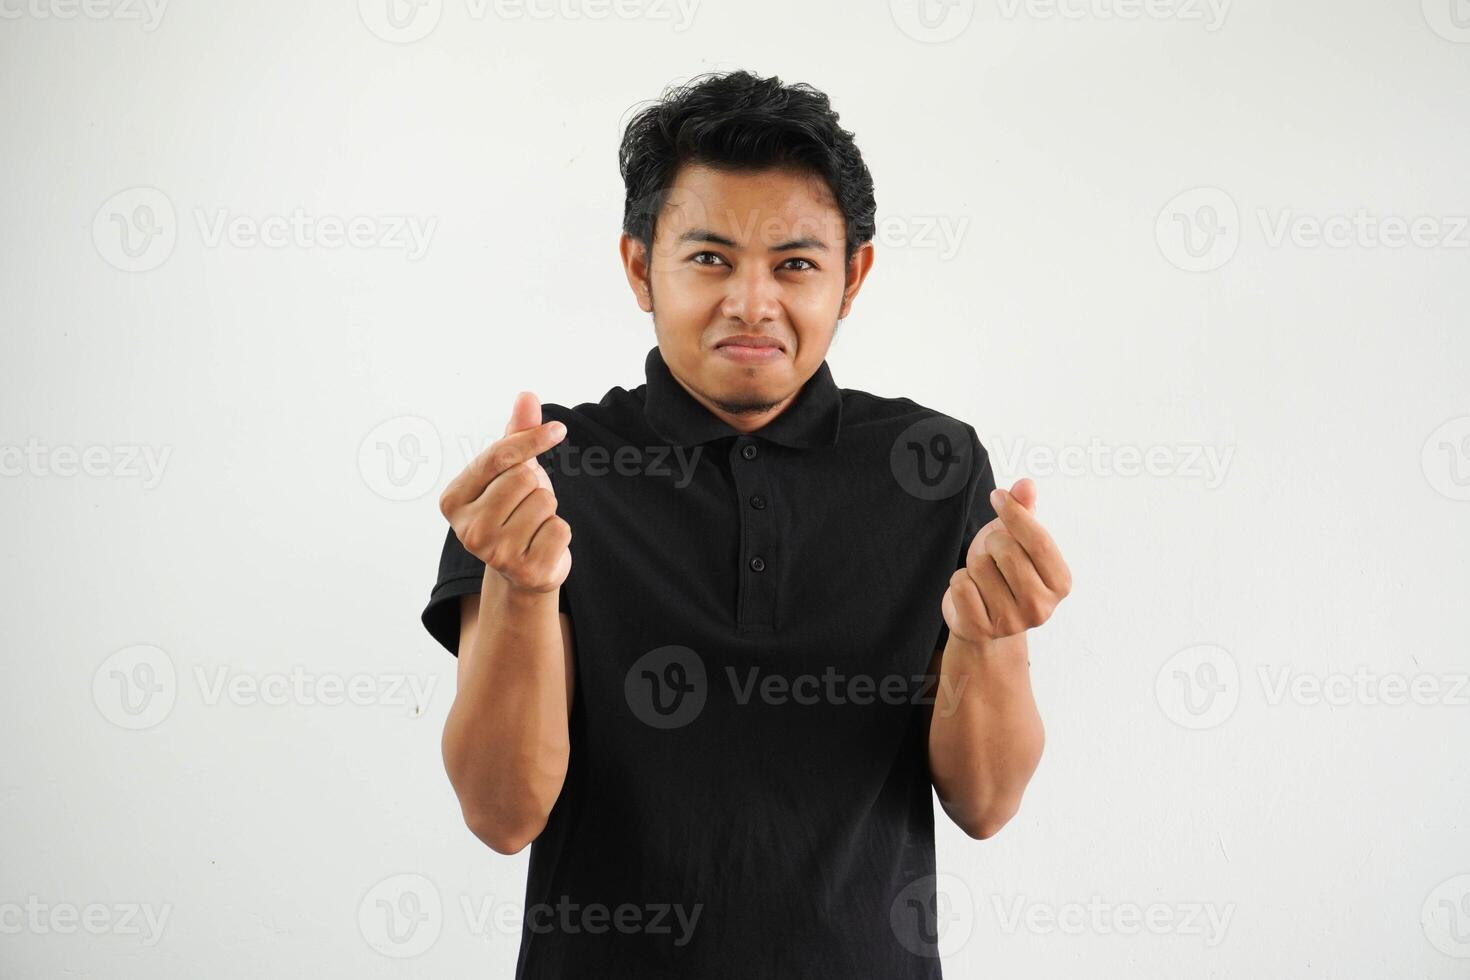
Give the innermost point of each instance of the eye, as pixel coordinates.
(698, 255)
(809, 264)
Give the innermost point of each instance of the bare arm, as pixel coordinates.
(985, 736)
(985, 733)
(505, 740)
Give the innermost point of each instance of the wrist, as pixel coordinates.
(1007, 651)
(499, 592)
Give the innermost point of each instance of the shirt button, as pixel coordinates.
(757, 564)
(748, 451)
(758, 502)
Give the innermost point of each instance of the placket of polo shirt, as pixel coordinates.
(755, 609)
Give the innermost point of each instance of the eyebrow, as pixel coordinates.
(705, 235)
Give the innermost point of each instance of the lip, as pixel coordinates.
(749, 340)
(741, 354)
(750, 349)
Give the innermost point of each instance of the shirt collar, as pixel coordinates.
(812, 419)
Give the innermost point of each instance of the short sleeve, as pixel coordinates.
(978, 510)
(460, 574)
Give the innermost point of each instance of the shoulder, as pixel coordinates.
(898, 415)
(615, 416)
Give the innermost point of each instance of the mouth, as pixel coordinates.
(750, 348)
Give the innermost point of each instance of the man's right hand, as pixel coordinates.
(503, 509)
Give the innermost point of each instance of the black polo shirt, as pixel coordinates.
(747, 794)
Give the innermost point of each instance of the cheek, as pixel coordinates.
(816, 303)
(682, 295)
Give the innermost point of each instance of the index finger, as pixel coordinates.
(1028, 532)
(499, 456)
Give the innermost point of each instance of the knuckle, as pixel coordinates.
(502, 457)
(541, 501)
(1034, 612)
(472, 537)
(499, 556)
(520, 479)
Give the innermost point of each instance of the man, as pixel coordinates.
(793, 608)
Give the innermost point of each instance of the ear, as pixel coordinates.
(636, 267)
(858, 268)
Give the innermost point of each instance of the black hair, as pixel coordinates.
(739, 121)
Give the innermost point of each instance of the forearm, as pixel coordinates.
(985, 734)
(505, 739)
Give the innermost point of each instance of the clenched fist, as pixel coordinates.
(1014, 576)
(503, 509)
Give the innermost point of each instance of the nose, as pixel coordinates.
(752, 295)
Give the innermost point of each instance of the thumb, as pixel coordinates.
(1024, 490)
(525, 413)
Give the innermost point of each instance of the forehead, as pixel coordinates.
(754, 208)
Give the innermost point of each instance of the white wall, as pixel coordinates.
(1327, 544)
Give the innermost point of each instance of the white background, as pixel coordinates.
(1066, 314)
